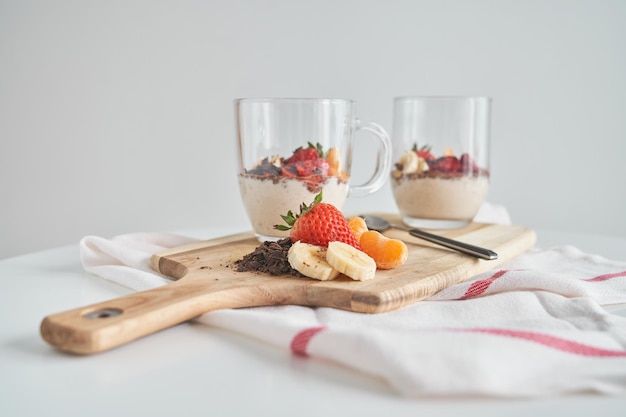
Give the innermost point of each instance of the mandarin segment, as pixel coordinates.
(335, 168)
(334, 161)
(358, 226)
(387, 253)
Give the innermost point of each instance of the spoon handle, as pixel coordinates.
(455, 244)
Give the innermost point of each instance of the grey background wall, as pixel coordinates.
(116, 116)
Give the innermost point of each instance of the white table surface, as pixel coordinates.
(194, 369)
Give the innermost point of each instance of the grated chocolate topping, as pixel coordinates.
(270, 258)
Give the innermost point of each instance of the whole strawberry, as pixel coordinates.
(318, 224)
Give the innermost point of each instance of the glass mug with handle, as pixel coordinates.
(441, 152)
(290, 149)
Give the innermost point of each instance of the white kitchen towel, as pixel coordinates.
(534, 327)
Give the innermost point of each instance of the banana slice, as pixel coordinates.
(422, 165)
(310, 261)
(350, 261)
(409, 162)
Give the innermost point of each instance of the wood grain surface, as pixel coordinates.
(205, 279)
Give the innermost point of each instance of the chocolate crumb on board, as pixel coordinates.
(270, 258)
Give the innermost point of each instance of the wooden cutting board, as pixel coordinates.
(205, 279)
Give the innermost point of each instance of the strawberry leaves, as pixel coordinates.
(290, 218)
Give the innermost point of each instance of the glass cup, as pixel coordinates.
(441, 153)
(290, 149)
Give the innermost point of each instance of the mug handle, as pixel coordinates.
(383, 161)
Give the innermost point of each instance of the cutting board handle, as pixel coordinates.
(109, 324)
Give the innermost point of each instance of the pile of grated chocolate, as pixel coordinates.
(269, 257)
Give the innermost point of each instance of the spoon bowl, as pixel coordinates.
(380, 224)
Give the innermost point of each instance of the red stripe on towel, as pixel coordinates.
(300, 342)
(552, 342)
(606, 277)
(479, 287)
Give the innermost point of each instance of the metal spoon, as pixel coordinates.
(380, 224)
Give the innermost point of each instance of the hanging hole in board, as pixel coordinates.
(103, 313)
